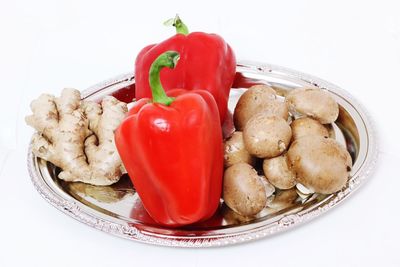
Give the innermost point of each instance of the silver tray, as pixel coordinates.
(117, 209)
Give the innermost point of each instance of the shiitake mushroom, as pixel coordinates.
(313, 102)
(321, 164)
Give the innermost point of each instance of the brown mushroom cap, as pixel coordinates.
(258, 98)
(313, 102)
(232, 217)
(306, 126)
(321, 164)
(284, 199)
(235, 151)
(265, 136)
(278, 172)
(243, 190)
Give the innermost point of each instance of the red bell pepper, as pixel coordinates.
(172, 150)
(207, 63)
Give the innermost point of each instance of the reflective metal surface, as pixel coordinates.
(117, 209)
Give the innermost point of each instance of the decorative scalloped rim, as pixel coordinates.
(83, 214)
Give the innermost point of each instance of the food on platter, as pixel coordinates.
(243, 190)
(321, 164)
(171, 140)
(206, 62)
(279, 172)
(258, 99)
(78, 136)
(294, 152)
(306, 126)
(172, 150)
(235, 151)
(314, 103)
(266, 136)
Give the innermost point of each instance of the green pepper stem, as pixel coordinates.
(178, 24)
(167, 59)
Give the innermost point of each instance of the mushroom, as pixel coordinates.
(284, 199)
(266, 136)
(313, 102)
(278, 172)
(235, 152)
(306, 126)
(257, 99)
(269, 188)
(233, 218)
(243, 190)
(321, 164)
(303, 191)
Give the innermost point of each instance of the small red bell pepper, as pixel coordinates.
(207, 63)
(172, 150)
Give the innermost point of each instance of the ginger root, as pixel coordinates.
(78, 136)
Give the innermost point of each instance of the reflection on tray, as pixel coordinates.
(120, 199)
(104, 194)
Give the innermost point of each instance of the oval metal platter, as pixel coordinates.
(117, 209)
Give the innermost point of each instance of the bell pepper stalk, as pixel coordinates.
(171, 146)
(206, 62)
(178, 24)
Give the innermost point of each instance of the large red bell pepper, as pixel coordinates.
(172, 150)
(207, 63)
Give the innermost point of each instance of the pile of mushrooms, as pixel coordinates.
(282, 145)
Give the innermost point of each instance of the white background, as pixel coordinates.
(48, 45)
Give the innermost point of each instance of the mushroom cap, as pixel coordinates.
(243, 190)
(235, 151)
(306, 126)
(266, 136)
(313, 102)
(232, 217)
(284, 199)
(321, 164)
(278, 172)
(276, 108)
(258, 98)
